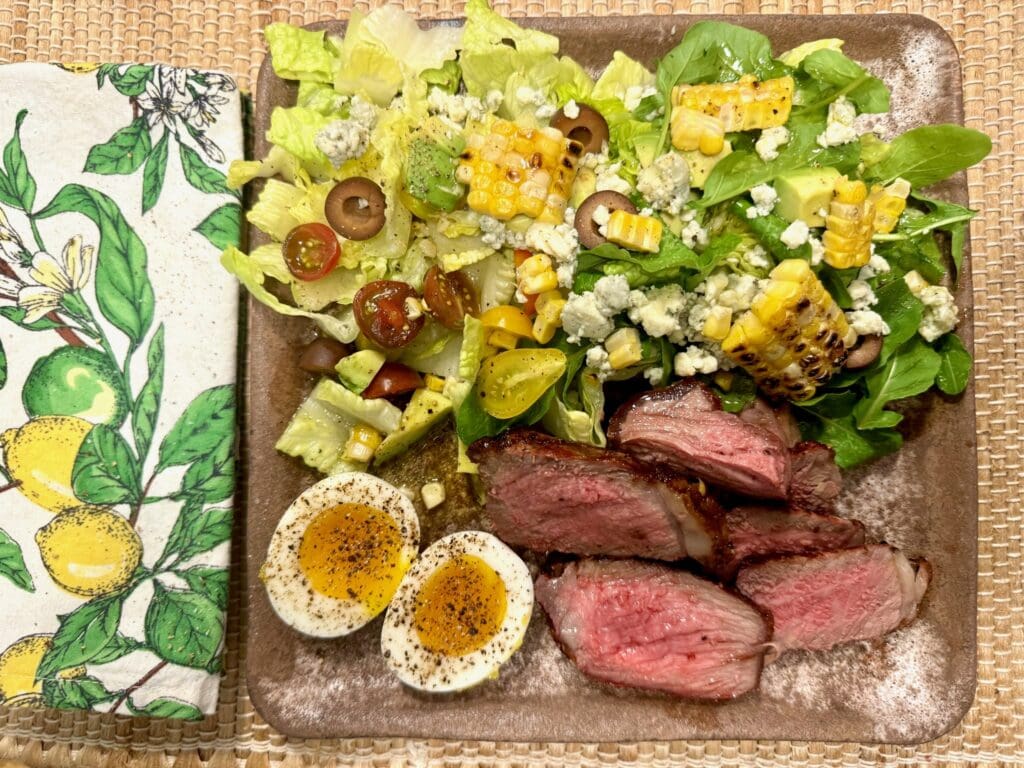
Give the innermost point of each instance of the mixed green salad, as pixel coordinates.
(483, 231)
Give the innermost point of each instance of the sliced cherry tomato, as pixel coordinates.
(530, 307)
(393, 379)
(321, 355)
(384, 314)
(450, 297)
(311, 251)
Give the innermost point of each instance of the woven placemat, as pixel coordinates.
(225, 34)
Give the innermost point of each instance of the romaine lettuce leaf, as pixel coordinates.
(621, 74)
(295, 129)
(300, 54)
(271, 213)
(278, 162)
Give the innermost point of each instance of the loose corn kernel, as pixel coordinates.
(724, 380)
(433, 494)
(890, 202)
(434, 383)
(508, 318)
(623, 348)
(741, 106)
(691, 129)
(793, 338)
(630, 230)
(549, 316)
(536, 274)
(849, 225)
(718, 322)
(361, 443)
(502, 339)
(514, 170)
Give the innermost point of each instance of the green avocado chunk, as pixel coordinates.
(357, 370)
(425, 409)
(804, 192)
(430, 175)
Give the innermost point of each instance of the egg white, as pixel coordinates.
(426, 670)
(290, 591)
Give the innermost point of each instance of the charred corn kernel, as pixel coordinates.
(513, 170)
(718, 323)
(433, 494)
(536, 275)
(692, 129)
(361, 443)
(849, 225)
(549, 316)
(723, 380)
(890, 202)
(794, 336)
(630, 230)
(508, 318)
(501, 339)
(623, 348)
(434, 383)
(745, 105)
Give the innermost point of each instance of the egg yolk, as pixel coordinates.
(460, 607)
(354, 552)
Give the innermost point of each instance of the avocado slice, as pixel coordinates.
(804, 192)
(357, 370)
(430, 175)
(426, 409)
(701, 164)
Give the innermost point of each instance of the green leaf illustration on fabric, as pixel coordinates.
(154, 174)
(183, 627)
(200, 175)
(3, 366)
(211, 477)
(17, 187)
(12, 563)
(124, 153)
(17, 316)
(75, 693)
(118, 647)
(196, 531)
(83, 634)
(123, 290)
(147, 404)
(167, 707)
(106, 471)
(128, 80)
(208, 422)
(212, 583)
(223, 227)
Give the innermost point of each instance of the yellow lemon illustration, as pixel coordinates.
(89, 551)
(18, 665)
(41, 454)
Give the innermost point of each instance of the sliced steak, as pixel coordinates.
(819, 601)
(648, 626)
(763, 531)
(550, 495)
(779, 421)
(683, 427)
(816, 482)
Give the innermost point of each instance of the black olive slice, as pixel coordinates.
(584, 222)
(589, 128)
(355, 208)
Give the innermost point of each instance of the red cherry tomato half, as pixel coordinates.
(311, 251)
(393, 379)
(450, 297)
(384, 315)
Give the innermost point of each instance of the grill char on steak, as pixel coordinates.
(754, 532)
(816, 482)
(550, 495)
(683, 427)
(648, 626)
(822, 600)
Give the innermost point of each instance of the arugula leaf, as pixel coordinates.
(472, 422)
(769, 231)
(931, 153)
(846, 78)
(940, 216)
(739, 395)
(829, 420)
(835, 282)
(955, 365)
(909, 372)
(918, 254)
(902, 312)
(672, 257)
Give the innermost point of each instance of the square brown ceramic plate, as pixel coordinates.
(909, 688)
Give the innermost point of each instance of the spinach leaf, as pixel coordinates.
(909, 372)
(830, 420)
(842, 76)
(585, 281)
(931, 153)
(955, 367)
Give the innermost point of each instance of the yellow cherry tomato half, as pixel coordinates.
(510, 382)
(508, 318)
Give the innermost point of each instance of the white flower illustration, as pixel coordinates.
(165, 98)
(54, 278)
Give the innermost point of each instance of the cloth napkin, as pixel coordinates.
(118, 333)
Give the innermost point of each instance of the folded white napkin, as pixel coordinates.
(118, 336)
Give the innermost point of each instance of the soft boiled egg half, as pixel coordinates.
(460, 612)
(339, 553)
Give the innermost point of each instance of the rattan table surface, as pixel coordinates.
(225, 34)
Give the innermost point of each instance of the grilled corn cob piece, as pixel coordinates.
(692, 129)
(849, 225)
(794, 336)
(741, 106)
(514, 170)
(623, 348)
(549, 316)
(632, 231)
(890, 202)
(718, 323)
(361, 444)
